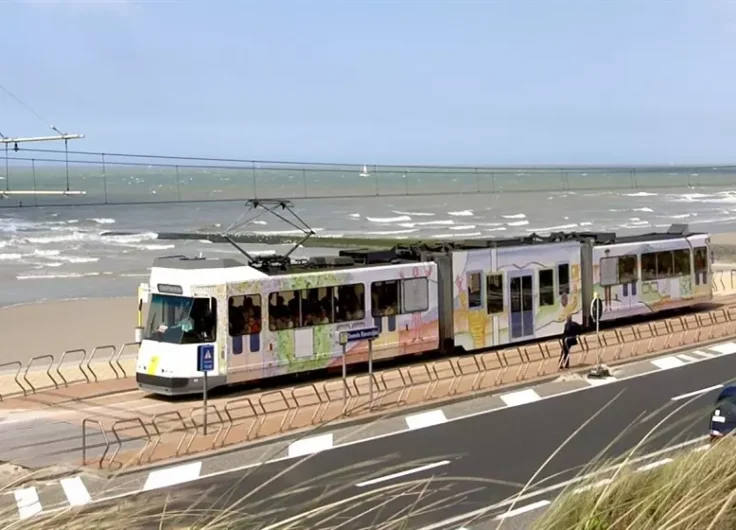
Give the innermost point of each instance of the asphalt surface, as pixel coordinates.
(489, 457)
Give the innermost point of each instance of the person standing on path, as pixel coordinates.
(569, 339)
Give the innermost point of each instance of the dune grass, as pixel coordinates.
(696, 491)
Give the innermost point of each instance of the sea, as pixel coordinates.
(60, 247)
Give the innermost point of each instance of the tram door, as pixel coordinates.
(521, 296)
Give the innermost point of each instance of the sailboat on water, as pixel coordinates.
(364, 173)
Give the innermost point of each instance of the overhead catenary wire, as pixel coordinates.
(62, 136)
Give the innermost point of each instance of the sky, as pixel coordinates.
(427, 82)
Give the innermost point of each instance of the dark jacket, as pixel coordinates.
(571, 332)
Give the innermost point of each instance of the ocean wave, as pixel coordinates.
(392, 232)
(641, 194)
(399, 219)
(354, 215)
(102, 220)
(427, 223)
(462, 227)
(449, 236)
(498, 229)
(74, 259)
(518, 223)
(66, 275)
(282, 232)
(462, 213)
(10, 257)
(514, 216)
(551, 228)
(642, 210)
(414, 214)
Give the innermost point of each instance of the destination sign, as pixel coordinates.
(166, 288)
(358, 334)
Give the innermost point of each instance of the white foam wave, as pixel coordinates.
(10, 257)
(551, 228)
(514, 216)
(46, 253)
(641, 194)
(681, 216)
(463, 213)
(282, 232)
(428, 223)
(56, 276)
(642, 210)
(102, 220)
(498, 229)
(462, 227)
(399, 219)
(354, 215)
(74, 259)
(154, 247)
(392, 232)
(518, 223)
(415, 214)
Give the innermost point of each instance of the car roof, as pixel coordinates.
(727, 392)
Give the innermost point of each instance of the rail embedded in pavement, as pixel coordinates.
(248, 418)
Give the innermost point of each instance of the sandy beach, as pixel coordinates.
(54, 327)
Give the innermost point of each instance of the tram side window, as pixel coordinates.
(494, 293)
(283, 310)
(627, 269)
(649, 266)
(546, 287)
(317, 306)
(563, 279)
(385, 298)
(244, 314)
(414, 295)
(681, 260)
(350, 303)
(474, 290)
(665, 264)
(701, 259)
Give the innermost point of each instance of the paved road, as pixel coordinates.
(449, 469)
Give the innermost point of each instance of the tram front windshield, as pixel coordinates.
(181, 319)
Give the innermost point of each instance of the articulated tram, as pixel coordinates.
(278, 316)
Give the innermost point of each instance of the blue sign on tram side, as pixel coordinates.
(205, 358)
(358, 334)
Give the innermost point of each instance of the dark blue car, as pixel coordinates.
(723, 420)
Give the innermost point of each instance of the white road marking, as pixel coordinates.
(401, 474)
(426, 419)
(171, 476)
(686, 358)
(522, 397)
(696, 392)
(655, 464)
(666, 363)
(75, 491)
(28, 502)
(703, 354)
(482, 511)
(312, 444)
(593, 486)
(726, 348)
(524, 509)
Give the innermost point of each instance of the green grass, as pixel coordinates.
(697, 491)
